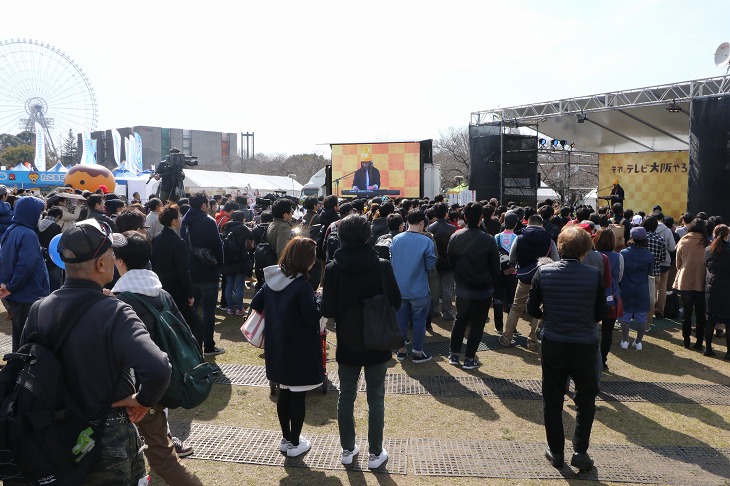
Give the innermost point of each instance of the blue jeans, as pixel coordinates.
(235, 285)
(206, 294)
(416, 311)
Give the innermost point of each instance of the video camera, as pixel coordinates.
(178, 160)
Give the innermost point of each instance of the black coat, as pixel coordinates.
(717, 282)
(170, 263)
(442, 231)
(240, 234)
(292, 345)
(203, 234)
(352, 276)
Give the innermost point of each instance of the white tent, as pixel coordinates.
(221, 182)
(546, 192)
(591, 199)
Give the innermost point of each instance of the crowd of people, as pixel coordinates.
(568, 271)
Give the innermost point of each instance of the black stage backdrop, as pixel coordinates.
(709, 157)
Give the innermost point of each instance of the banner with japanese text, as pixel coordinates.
(648, 179)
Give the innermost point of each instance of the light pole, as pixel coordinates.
(292, 177)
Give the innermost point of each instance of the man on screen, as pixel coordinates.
(367, 177)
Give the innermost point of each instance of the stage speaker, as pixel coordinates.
(709, 157)
(485, 171)
(426, 152)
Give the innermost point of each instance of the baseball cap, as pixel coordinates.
(3, 190)
(638, 233)
(637, 220)
(87, 240)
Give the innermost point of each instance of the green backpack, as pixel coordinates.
(192, 377)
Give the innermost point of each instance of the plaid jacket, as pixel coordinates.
(658, 249)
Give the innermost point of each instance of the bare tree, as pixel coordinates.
(451, 151)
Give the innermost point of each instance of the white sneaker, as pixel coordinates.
(297, 450)
(347, 456)
(283, 445)
(636, 345)
(624, 345)
(375, 462)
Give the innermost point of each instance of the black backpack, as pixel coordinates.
(232, 253)
(332, 244)
(44, 435)
(192, 376)
(263, 256)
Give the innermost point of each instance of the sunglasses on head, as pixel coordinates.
(107, 236)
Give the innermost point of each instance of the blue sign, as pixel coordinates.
(25, 179)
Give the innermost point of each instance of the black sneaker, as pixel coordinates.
(454, 359)
(214, 351)
(216, 369)
(422, 358)
(471, 363)
(181, 449)
(401, 356)
(583, 462)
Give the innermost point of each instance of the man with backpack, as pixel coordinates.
(383, 243)
(527, 248)
(444, 291)
(142, 289)
(237, 241)
(99, 342)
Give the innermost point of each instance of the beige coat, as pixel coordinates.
(690, 263)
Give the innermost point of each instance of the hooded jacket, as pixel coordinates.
(292, 346)
(22, 267)
(6, 216)
(378, 228)
(354, 275)
(474, 257)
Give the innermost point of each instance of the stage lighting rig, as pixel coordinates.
(582, 117)
(674, 107)
(543, 143)
(554, 144)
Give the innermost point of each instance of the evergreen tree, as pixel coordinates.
(69, 149)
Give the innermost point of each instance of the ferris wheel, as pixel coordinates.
(40, 83)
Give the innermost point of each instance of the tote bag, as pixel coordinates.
(253, 329)
(381, 330)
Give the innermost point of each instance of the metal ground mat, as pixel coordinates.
(235, 444)
(617, 463)
(673, 465)
(500, 388)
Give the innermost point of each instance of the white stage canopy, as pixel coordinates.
(217, 181)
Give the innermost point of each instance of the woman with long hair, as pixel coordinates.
(292, 344)
(605, 242)
(690, 280)
(717, 286)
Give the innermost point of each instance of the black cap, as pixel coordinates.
(87, 240)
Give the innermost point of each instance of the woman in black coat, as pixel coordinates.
(354, 275)
(170, 263)
(717, 286)
(291, 338)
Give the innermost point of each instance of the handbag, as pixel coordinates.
(204, 255)
(253, 328)
(616, 310)
(380, 322)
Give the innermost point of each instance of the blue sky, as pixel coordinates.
(299, 74)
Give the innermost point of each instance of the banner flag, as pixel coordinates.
(117, 139)
(92, 151)
(130, 154)
(138, 151)
(88, 144)
(40, 148)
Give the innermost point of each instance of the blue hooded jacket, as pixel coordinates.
(22, 268)
(6, 216)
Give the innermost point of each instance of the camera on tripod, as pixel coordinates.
(178, 160)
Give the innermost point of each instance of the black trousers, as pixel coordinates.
(473, 313)
(559, 362)
(693, 300)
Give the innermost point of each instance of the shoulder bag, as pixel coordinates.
(380, 322)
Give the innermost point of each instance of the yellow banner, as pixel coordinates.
(648, 179)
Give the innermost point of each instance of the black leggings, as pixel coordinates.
(291, 408)
(606, 337)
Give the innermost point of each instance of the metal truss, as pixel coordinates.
(655, 95)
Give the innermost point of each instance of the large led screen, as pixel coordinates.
(391, 169)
